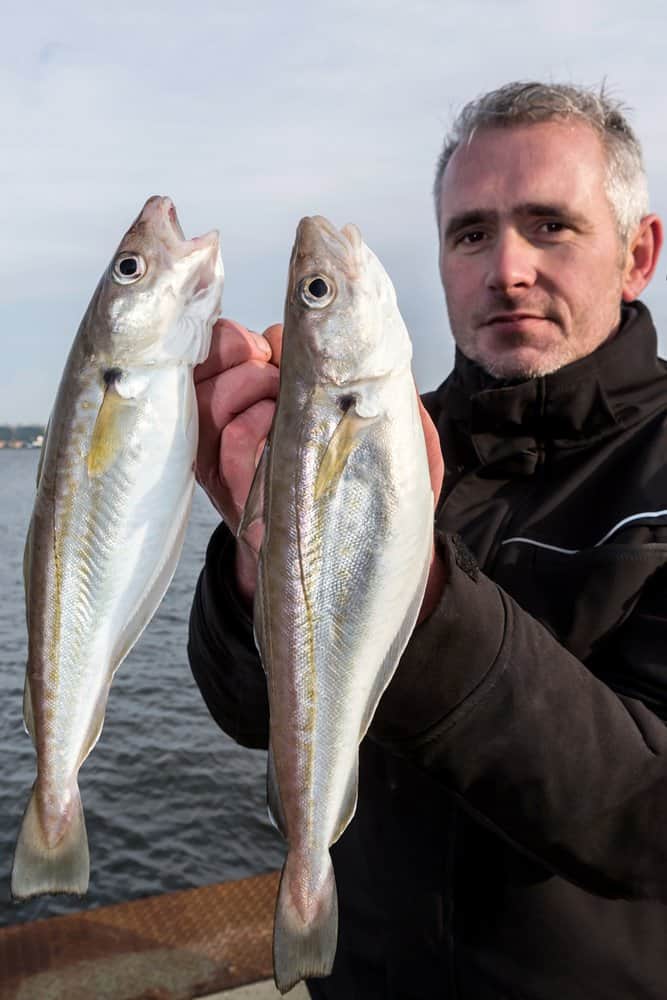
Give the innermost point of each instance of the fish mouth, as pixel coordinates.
(173, 218)
(201, 254)
(159, 214)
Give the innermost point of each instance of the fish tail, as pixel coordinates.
(41, 867)
(306, 930)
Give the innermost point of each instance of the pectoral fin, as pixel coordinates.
(112, 427)
(348, 434)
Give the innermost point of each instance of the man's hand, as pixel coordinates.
(236, 389)
(436, 578)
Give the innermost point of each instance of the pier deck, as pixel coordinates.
(205, 942)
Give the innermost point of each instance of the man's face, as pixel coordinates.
(530, 258)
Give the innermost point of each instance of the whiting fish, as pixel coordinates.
(113, 495)
(345, 494)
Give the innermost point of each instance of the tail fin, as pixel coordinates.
(304, 943)
(39, 868)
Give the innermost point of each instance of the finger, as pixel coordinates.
(436, 462)
(231, 392)
(226, 475)
(224, 397)
(241, 445)
(231, 345)
(274, 337)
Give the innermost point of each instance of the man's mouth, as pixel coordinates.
(512, 317)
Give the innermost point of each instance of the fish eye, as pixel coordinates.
(317, 291)
(128, 267)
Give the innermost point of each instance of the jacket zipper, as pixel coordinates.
(516, 511)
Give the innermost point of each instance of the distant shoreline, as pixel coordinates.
(15, 437)
(19, 446)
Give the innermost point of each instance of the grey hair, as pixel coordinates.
(521, 103)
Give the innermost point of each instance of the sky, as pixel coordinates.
(252, 115)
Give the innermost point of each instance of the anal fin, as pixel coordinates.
(395, 651)
(28, 714)
(348, 805)
(276, 812)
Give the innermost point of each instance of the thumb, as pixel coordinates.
(274, 337)
(436, 463)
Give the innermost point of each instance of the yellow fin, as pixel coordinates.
(110, 432)
(345, 438)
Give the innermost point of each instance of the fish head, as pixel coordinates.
(160, 295)
(341, 316)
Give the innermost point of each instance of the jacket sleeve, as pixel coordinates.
(533, 743)
(222, 652)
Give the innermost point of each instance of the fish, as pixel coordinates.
(344, 492)
(114, 489)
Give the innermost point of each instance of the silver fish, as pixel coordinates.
(345, 494)
(113, 496)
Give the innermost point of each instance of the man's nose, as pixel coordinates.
(512, 262)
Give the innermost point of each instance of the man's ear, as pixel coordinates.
(642, 257)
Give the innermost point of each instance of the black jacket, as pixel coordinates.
(511, 835)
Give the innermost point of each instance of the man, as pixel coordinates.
(511, 833)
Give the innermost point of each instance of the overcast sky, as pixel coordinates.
(251, 115)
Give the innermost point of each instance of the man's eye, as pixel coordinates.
(553, 227)
(469, 239)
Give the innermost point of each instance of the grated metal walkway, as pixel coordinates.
(176, 946)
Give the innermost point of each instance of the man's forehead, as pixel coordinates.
(501, 168)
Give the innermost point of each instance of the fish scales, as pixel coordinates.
(348, 512)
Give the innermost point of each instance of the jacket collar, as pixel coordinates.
(521, 422)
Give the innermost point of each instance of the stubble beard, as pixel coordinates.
(513, 369)
(564, 351)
